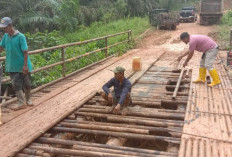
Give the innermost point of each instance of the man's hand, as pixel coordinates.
(179, 58)
(117, 109)
(176, 60)
(25, 69)
(110, 97)
(185, 64)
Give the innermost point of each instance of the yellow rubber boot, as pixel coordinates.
(215, 77)
(202, 76)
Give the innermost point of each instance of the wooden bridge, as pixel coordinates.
(170, 115)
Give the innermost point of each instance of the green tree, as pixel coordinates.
(68, 12)
(30, 14)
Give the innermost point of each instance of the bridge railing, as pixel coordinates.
(64, 61)
(231, 38)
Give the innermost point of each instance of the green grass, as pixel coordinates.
(41, 40)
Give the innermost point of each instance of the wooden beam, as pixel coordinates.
(178, 84)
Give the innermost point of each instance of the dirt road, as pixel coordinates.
(169, 40)
(20, 130)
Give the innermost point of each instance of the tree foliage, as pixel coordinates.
(69, 15)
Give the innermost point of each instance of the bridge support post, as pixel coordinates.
(106, 45)
(63, 60)
(231, 38)
(130, 36)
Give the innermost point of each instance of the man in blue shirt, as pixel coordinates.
(122, 87)
(17, 63)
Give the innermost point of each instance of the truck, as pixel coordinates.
(211, 11)
(163, 19)
(188, 14)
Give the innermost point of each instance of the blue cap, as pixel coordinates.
(5, 21)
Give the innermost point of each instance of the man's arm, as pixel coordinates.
(124, 93)
(25, 67)
(183, 55)
(107, 86)
(190, 55)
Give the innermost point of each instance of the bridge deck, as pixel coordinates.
(51, 108)
(208, 125)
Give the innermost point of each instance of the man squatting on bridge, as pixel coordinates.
(209, 48)
(17, 63)
(120, 97)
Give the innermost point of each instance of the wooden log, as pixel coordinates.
(187, 73)
(143, 122)
(157, 98)
(60, 151)
(106, 128)
(169, 130)
(25, 155)
(166, 70)
(131, 119)
(151, 104)
(134, 112)
(96, 106)
(156, 115)
(178, 84)
(35, 152)
(5, 97)
(172, 87)
(106, 110)
(178, 94)
(162, 73)
(106, 150)
(153, 82)
(167, 77)
(138, 97)
(118, 134)
(135, 108)
(173, 102)
(182, 81)
(71, 143)
(163, 93)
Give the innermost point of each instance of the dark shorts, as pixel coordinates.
(126, 102)
(116, 99)
(20, 81)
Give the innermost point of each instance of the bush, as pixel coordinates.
(224, 30)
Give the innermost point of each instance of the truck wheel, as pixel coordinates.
(173, 27)
(201, 21)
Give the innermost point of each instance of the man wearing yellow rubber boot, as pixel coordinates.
(205, 44)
